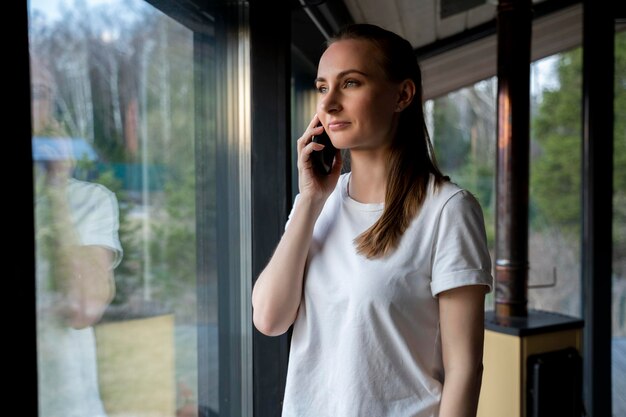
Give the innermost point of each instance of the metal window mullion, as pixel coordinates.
(235, 211)
(245, 211)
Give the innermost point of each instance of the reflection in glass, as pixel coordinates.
(78, 247)
(113, 154)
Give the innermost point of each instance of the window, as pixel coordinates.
(137, 178)
(462, 125)
(463, 129)
(555, 184)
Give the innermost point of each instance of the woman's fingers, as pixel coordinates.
(309, 149)
(307, 136)
(311, 183)
(304, 158)
(314, 121)
(305, 143)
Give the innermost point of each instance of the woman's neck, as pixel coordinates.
(368, 180)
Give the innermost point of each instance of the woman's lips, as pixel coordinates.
(334, 126)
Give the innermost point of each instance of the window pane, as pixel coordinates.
(555, 184)
(463, 129)
(619, 230)
(114, 131)
(462, 126)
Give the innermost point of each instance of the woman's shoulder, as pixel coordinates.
(442, 189)
(447, 193)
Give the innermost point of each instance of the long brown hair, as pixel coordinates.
(411, 158)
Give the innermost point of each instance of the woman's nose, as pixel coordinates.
(330, 102)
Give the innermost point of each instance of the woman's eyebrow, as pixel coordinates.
(342, 74)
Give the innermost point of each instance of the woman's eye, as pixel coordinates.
(322, 89)
(351, 83)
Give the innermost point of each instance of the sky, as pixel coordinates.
(543, 76)
(50, 8)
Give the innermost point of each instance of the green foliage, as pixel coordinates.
(464, 137)
(555, 184)
(173, 247)
(556, 128)
(452, 142)
(479, 179)
(555, 167)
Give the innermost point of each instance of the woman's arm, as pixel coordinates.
(461, 312)
(278, 290)
(84, 276)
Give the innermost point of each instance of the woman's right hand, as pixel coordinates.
(277, 293)
(313, 186)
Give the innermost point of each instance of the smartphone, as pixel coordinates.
(323, 160)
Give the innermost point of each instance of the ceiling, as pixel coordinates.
(424, 23)
(421, 21)
(454, 40)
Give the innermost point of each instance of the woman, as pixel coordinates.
(382, 271)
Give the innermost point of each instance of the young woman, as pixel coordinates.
(382, 271)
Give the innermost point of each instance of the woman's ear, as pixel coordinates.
(406, 94)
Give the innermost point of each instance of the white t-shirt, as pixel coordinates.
(366, 339)
(67, 368)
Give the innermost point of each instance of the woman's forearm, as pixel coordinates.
(462, 334)
(460, 393)
(278, 290)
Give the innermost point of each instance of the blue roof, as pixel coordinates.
(60, 149)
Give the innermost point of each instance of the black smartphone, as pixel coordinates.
(323, 160)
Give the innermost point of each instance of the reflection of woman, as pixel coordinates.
(382, 271)
(77, 248)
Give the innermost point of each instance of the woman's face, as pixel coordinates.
(356, 103)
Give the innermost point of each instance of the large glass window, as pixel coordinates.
(125, 142)
(555, 184)
(463, 129)
(462, 125)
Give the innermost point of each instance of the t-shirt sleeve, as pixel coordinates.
(460, 253)
(100, 225)
(293, 207)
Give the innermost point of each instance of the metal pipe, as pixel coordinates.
(314, 19)
(514, 19)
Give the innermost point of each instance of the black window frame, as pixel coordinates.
(22, 270)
